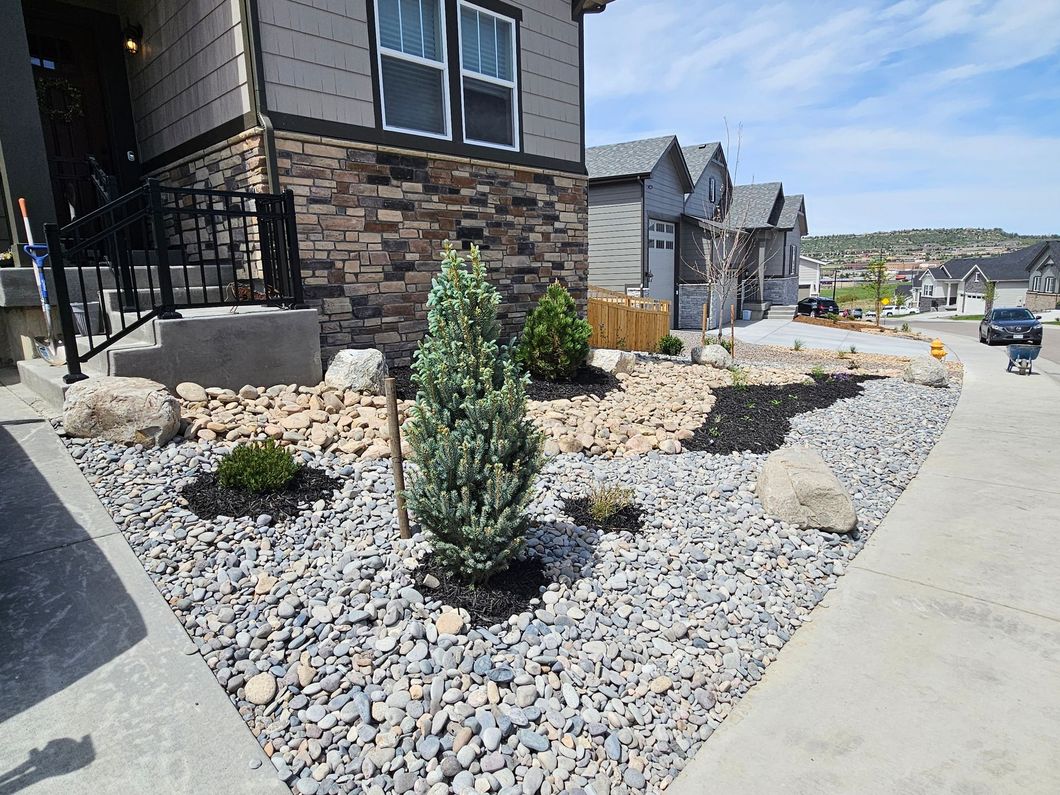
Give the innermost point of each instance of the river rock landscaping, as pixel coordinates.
(356, 671)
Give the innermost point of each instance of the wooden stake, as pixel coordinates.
(397, 463)
(706, 312)
(732, 331)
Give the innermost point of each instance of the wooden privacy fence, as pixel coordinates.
(626, 322)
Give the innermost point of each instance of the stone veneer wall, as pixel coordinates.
(371, 222)
(1042, 302)
(782, 291)
(235, 164)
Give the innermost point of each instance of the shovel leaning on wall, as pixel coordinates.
(48, 347)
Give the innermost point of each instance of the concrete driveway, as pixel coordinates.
(784, 332)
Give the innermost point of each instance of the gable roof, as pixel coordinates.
(1013, 266)
(752, 205)
(789, 214)
(630, 158)
(699, 157)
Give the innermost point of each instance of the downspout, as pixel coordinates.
(258, 104)
(644, 265)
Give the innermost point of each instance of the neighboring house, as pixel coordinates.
(773, 226)
(809, 276)
(396, 124)
(701, 278)
(637, 195)
(1028, 277)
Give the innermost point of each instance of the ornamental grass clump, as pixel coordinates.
(606, 501)
(555, 339)
(257, 468)
(476, 450)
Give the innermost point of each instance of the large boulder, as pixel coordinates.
(796, 486)
(360, 370)
(120, 409)
(612, 361)
(926, 371)
(712, 356)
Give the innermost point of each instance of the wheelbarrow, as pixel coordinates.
(1021, 357)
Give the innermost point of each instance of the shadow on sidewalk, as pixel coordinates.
(57, 758)
(64, 611)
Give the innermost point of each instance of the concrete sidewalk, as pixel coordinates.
(935, 665)
(103, 692)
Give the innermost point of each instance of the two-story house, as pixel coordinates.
(396, 124)
(1028, 277)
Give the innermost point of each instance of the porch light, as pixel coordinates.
(131, 38)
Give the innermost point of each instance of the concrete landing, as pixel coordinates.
(103, 692)
(934, 667)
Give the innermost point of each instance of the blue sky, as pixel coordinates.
(887, 115)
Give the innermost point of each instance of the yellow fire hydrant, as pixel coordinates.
(938, 350)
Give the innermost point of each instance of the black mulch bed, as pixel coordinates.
(208, 500)
(757, 418)
(587, 381)
(627, 519)
(499, 598)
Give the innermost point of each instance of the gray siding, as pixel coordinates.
(698, 202)
(316, 59)
(550, 80)
(664, 191)
(318, 65)
(190, 75)
(616, 227)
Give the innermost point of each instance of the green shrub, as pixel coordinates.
(555, 340)
(257, 468)
(739, 377)
(853, 349)
(724, 342)
(477, 452)
(670, 345)
(797, 345)
(818, 373)
(606, 501)
(833, 317)
(905, 328)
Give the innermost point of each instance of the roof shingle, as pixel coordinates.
(699, 157)
(627, 159)
(752, 205)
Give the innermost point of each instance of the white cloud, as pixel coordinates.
(897, 100)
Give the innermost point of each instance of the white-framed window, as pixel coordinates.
(712, 190)
(1050, 284)
(1036, 283)
(928, 289)
(488, 77)
(413, 72)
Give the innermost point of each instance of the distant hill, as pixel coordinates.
(911, 245)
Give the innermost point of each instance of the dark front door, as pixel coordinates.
(82, 97)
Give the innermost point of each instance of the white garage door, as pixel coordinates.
(661, 251)
(972, 304)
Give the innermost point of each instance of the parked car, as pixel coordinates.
(870, 315)
(817, 307)
(1011, 325)
(857, 313)
(898, 311)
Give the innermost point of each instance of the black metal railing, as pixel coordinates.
(158, 250)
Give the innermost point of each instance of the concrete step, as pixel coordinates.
(781, 311)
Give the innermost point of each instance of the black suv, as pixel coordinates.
(818, 307)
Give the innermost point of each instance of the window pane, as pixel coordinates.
(412, 96)
(487, 44)
(412, 27)
(488, 113)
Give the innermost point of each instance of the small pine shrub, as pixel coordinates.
(606, 501)
(670, 345)
(555, 340)
(797, 345)
(257, 468)
(833, 317)
(477, 452)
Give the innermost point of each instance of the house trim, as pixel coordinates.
(352, 132)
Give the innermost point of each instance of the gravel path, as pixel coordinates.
(626, 665)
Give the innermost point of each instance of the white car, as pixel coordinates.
(898, 311)
(870, 315)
